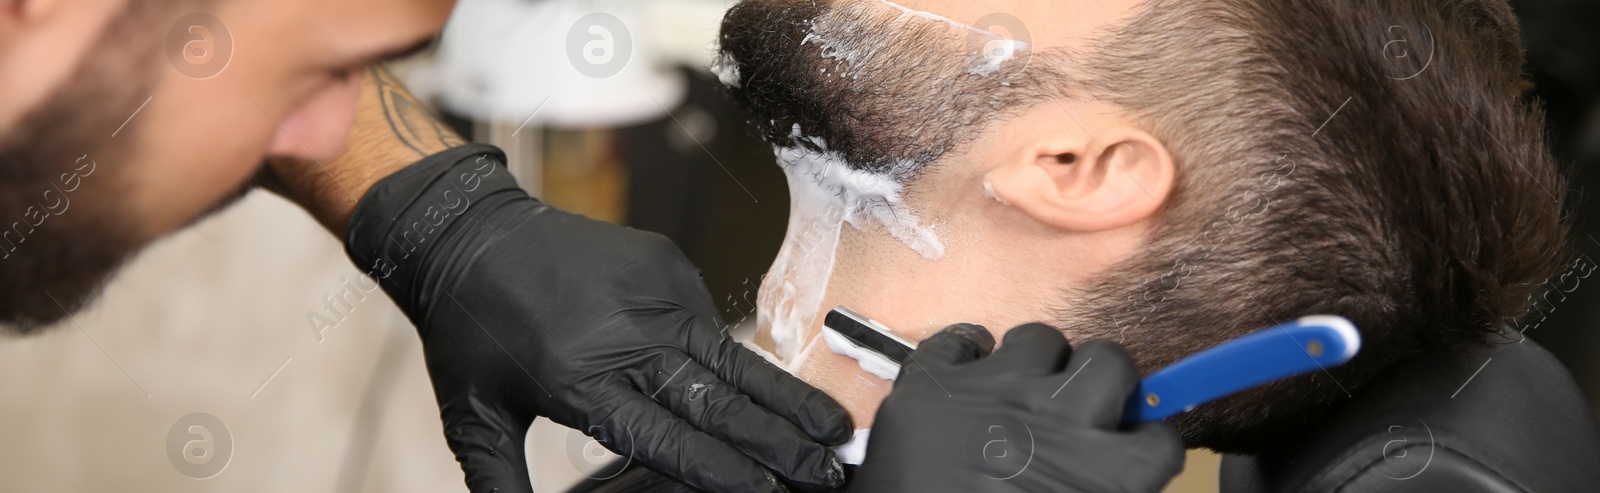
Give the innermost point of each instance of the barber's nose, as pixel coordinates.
(317, 129)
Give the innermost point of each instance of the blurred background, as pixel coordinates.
(605, 108)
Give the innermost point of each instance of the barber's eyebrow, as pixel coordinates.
(414, 48)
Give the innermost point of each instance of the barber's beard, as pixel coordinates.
(66, 218)
(62, 224)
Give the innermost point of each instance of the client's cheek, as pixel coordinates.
(843, 379)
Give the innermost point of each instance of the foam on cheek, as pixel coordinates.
(989, 51)
(825, 193)
(988, 191)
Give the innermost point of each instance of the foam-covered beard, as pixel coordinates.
(889, 89)
(857, 99)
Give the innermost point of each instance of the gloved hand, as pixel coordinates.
(1013, 422)
(526, 311)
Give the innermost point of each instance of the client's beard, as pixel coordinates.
(890, 92)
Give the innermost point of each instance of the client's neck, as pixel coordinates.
(997, 269)
(916, 297)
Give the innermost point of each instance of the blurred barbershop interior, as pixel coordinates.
(604, 108)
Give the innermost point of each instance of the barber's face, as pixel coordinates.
(289, 89)
(118, 126)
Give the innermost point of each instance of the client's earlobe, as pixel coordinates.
(1079, 186)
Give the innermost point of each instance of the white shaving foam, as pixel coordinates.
(792, 291)
(854, 452)
(871, 361)
(863, 194)
(997, 50)
(824, 194)
(857, 53)
(936, 18)
(726, 68)
(852, 57)
(988, 191)
(996, 53)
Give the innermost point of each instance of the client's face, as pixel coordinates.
(939, 170)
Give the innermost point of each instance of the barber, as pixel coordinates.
(525, 311)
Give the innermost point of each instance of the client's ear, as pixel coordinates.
(1088, 183)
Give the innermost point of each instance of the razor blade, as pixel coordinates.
(870, 335)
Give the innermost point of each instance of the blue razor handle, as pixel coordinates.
(1309, 344)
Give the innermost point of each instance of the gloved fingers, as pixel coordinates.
(1029, 350)
(644, 431)
(488, 444)
(957, 344)
(819, 416)
(1161, 446)
(1103, 378)
(717, 409)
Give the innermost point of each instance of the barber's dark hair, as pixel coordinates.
(1374, 159)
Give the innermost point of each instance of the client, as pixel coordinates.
(1168, 174)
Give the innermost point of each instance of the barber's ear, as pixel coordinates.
(41, 43)
(1084, 184)
(20, 11)
(11, 15)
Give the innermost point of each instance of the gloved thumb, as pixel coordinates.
(489, 445)
(955, 345)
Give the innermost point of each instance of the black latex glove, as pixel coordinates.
(528, 311)
(957, 421)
